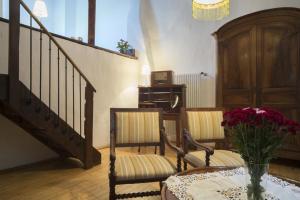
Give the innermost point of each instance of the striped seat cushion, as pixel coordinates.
(133, 167)
(205, 125)
(220, 158)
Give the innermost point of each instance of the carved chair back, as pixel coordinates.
(204, 125)
(132, 127)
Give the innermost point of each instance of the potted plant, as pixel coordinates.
(257, 133)
(125, 48)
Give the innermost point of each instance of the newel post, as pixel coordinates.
(13, 52)
(88, 126)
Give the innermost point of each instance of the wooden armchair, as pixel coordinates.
(132, 127)
(203, 131)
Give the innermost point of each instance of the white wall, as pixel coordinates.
(114, 77)
(18, 147)
(173, 40)
(116, 81)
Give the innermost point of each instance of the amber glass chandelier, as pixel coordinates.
(210, 9)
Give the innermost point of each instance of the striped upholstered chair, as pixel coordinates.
(203, 131)
(132, 127)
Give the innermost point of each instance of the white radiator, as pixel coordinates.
(194, 93)
(193, 88)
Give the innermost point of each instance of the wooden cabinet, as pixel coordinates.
(163, 96)
(259, 65)
(171, 98)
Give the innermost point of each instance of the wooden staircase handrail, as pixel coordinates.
(44, 29)
(29, 110)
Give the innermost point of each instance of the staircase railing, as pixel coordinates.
(69, 66)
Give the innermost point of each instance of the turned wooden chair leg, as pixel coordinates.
(160, 185)
(179, 163)
(184, 165)
(112, 192)
(112, 186)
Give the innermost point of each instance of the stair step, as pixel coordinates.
(46, 126)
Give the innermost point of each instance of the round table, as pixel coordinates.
(168, 195)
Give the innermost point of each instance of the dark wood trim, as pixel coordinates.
(76, 41)
(140, 180)
(13, 52)
(92, 22)
(283, 11)
(138, 144)
(205, 109)
(4, 87)
(88, 126)
(165, 86)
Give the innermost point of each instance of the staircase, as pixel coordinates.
(60, 118)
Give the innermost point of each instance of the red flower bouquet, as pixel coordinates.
(257, 133)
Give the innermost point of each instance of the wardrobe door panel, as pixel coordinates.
(278, 68)
(279, 56)
(259, 65)
(237, 63)
(278, 75)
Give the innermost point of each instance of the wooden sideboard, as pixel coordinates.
(164, 96)
(259, 66)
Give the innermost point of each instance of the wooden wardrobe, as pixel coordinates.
(259, 65)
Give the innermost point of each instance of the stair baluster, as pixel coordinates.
(80, 120)
(66, 90)
(58, 88)
(73, 94)
(28, 117)
(41, 62)
(30, 61)
(49, 96)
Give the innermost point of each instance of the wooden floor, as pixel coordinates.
(64, 180)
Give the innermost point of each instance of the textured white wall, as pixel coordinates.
(116, 81)
(173, 40)
(114, 77)
(18, 147)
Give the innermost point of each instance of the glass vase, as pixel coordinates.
(255, 184)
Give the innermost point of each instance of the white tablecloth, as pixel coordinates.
(229, 184)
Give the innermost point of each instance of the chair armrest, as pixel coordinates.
(209, 150)
(112, 146)
(172, 146)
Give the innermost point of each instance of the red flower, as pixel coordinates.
(259, 117)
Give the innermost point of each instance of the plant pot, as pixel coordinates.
(255, 184)
(123, 51)
(130, 52)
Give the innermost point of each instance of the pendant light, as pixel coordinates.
(210, 9)
(40, 9)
